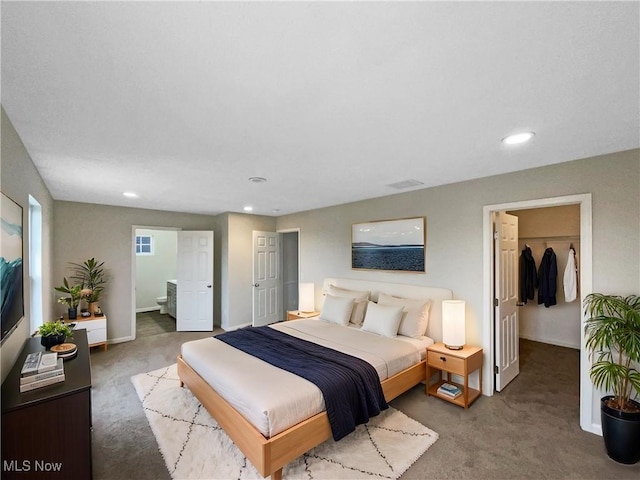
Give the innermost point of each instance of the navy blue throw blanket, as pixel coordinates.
(350, 386)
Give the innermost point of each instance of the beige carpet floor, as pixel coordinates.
(154, 323)
(530, 431)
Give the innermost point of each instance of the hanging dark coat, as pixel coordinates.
(547, 278)
(528, 275)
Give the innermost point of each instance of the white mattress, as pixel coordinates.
(272, 399)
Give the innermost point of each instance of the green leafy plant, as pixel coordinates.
(91, 276)
(74, 293)
(613, 337)
(48, 329)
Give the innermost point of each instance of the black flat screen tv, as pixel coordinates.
(11, 266)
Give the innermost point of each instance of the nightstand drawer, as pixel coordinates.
(445, 362)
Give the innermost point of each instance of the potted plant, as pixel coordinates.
(74, 293)
(91, 275)
(613, 338)
(54, 333)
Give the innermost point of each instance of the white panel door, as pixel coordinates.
(267, 292)
(506, 292)
(194, 305)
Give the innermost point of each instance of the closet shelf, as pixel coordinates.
(569, 238)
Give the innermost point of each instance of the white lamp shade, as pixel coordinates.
(306, 297)
(453, 323)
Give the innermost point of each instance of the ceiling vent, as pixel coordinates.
(405, 184)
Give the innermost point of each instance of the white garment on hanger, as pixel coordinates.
(571, 278)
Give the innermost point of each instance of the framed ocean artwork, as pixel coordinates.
(397, 245)
(11, 269)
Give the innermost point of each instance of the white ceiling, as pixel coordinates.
(182, 102)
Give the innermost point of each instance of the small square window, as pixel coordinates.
(144, 245)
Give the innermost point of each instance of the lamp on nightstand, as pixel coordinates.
(306, 297)
(453, 324)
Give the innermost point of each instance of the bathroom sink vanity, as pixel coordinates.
(171, 298)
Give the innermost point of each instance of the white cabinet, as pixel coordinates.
(96, 328)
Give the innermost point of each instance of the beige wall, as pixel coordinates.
(19, 180)
(84, 230)
(454, 227)
(561, 221)
(108, 236)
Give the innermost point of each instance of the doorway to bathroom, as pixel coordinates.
(156, 258)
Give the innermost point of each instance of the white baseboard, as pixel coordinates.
(594, 428)
(227, 328)
(551, 342)
(147, 309)
(120, 340)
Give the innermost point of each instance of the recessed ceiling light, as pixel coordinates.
(248, 209)
(257, 179)
(130, 194)
(518, 138)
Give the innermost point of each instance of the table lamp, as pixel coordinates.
(453, 324)
(306, 297)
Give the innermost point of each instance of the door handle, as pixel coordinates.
(208, 286)
(256, 285)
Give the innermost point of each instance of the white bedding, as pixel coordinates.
(247, 383)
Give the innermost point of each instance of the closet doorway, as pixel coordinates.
(583, 241)
(290, 269)
(536, 307)
(556, 228)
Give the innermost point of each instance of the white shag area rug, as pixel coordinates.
(195, 447)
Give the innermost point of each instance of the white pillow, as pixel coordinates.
(382, 319)
(415, 320)
(360, 299)
(337, 309)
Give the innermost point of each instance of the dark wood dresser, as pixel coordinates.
(46, 433)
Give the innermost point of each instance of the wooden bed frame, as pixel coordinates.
(270, 455)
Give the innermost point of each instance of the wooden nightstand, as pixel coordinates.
(297, 314)
(458, 362)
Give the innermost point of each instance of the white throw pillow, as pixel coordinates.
(382, 319)
(337, 309)
(415, 320)
(360, 299)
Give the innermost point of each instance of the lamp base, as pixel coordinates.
(454, 347)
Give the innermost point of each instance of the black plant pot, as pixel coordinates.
(51, 340)
(621, 433)
(73, 313)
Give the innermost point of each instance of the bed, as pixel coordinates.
(243, 394)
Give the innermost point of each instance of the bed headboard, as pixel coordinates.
(434, 330)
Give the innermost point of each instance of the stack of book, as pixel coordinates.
(41, 369)
(449, 390)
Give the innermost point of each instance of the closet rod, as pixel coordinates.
(572, 238)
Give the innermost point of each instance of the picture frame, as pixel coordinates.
(390, 245)
(11, 266)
